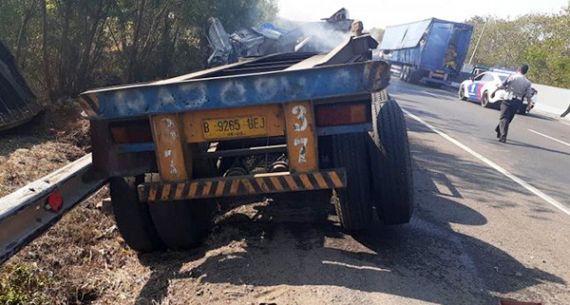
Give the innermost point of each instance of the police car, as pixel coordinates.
(480, 89)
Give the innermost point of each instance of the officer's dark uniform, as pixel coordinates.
(519, 88)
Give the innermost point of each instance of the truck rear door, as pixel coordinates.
(436, 46)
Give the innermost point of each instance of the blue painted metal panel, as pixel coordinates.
(134, 148)
(462, 39)
(404, 36)
(424, 44)
(435, 48)
(239, 91)
(357, 128)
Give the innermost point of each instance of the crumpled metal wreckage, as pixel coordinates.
(320, 36)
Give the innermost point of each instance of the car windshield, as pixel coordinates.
(503, 77)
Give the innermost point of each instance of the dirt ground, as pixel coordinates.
(457, 250)
(56, 137)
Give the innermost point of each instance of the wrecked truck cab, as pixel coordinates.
(283, 123)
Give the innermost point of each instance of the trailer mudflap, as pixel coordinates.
(242, 185)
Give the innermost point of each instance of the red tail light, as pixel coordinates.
(55, 201)
(342, 114)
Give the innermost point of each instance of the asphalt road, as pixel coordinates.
(538, 148)
(490, 223)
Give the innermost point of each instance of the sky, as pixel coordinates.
(380, 13)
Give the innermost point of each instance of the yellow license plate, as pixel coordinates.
(234, 127)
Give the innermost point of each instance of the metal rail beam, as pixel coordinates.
(238, 91)
(25, 214)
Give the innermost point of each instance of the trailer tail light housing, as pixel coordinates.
(55, 201)
(347, 113)
(130, 132)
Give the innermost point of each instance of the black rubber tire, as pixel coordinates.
(414, 77)
(132, 216)
(181, 225)
(485, 100)
(391, 167)
(352, 203)
(403, 73)
(461, 93)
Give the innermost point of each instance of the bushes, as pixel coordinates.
(541, 40)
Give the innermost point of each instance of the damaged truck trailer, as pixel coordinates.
(431, 51)
(287, 122)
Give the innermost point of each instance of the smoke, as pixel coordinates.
(322, 36)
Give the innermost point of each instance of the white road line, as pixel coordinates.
(495, 166)
(549, 137)
(430, 94)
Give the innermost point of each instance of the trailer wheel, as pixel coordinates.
(414, 76)
(181, 225)
(132, 216)
(391, 170)
(403, 73)
(352, 203)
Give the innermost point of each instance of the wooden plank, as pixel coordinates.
(168, 139)
(193, 121)
(301, 136)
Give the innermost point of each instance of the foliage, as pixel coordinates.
(67, 46)
(377, 33)
(23, 286)
(541, 40)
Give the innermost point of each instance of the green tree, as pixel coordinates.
(541, 40)
(67, 46)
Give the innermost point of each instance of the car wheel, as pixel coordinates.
(462, 93)
(485, 100)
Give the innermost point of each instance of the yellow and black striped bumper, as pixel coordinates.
(242, 185)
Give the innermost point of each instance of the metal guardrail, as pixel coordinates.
(28, 212)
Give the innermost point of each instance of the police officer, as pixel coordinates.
(357, 28)
(519, 88)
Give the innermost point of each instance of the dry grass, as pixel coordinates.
(55, 138)
(71, 262)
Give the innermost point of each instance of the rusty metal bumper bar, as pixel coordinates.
(26, 213)
(235, 91)
(242, 186)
